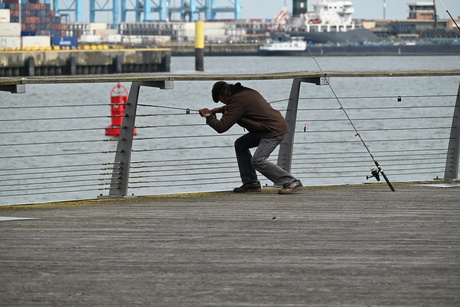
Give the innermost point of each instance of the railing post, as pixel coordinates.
(287, 146)
(453, 151)
(121, 167)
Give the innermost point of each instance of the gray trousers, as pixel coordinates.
(248, 164)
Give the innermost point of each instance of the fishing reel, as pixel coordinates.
(375, 173)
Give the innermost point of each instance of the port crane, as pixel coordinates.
(146, 10)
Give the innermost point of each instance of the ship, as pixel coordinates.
(289, 47)
(330, 22)
(330, 30)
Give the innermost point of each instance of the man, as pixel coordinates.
(266, 127)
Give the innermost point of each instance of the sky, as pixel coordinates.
(366, 9)
(267, 9)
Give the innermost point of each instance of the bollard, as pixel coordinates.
(199, 45)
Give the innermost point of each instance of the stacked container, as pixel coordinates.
(36, 18)
(10, 33)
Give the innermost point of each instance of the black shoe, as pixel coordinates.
(248, 187)
(294, 186)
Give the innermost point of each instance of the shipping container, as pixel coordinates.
(14, 13)
(27, 33)
(112, 38)
(10, 42)
(90, 38)
(97, 26)
(64, 41)
(10, 29)
(5, 16)
(132, 39)
(36, 41)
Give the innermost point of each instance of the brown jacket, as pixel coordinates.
(250, 110)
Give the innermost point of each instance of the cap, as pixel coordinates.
(216, 90)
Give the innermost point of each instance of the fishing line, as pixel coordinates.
(375, 172)
(447, 11)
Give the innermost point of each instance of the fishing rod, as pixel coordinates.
(447, 11)
(375, 172)
(187, 110)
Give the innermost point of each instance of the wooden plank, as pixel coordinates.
(324, 246)
(213, 77)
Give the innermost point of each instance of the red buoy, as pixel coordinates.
(118, 100)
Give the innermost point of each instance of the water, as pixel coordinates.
(230, 65)
(93, 99)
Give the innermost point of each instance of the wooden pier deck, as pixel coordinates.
(324, 246)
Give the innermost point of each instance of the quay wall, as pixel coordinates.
(358, 50)
(386, 50)
(216, 49)
(80, 62)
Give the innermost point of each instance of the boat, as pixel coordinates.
(290, 47)
(330, 22)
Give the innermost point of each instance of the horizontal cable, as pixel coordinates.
(31, 192)
(372, 130)
(320, 175)
(378, 108)
(384, 155)
(51, 192)
(380, 97)
(184, 180)
(181, 137)
(61, 154)
(346, 158)
(379, 151)
(363, 160)
(183, 160)
(56, 106)
(56, 118)
(60, 142)
(374, 119)
(181, 148)
(431, 160)
(56, 166)
(162, 170)
(188, 184)
(57, 182)
(388, 170)
(371, 141)
(14, 176)
(387, 164)
(188, 174)
(55, 187)
(57, 130)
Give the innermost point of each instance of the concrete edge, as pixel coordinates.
(96, 201)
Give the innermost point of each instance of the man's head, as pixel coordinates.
(216, 90)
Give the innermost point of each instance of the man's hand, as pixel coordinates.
(204, 111)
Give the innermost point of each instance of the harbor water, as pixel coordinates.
(195, 95)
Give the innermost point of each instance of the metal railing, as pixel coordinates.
(54, 151)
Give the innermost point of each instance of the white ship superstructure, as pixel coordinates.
(334, 12)
(327, 16)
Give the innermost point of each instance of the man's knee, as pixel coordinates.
(257, 162)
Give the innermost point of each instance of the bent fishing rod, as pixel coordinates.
(447, 11)
(375, 172)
